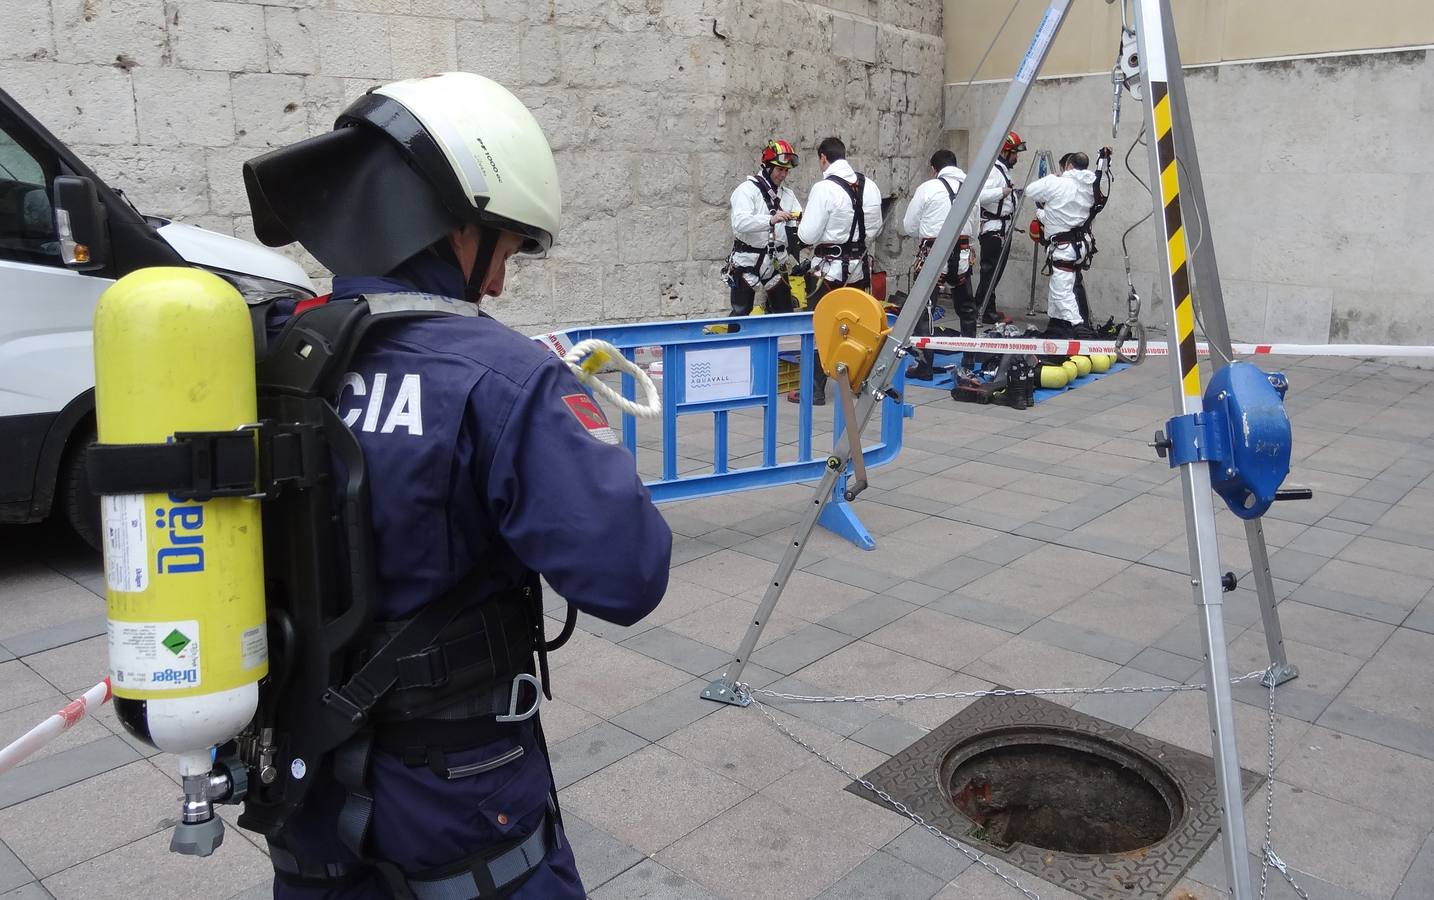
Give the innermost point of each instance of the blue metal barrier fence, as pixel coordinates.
(718, 373)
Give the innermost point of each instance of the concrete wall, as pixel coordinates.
(1210, 31)
(1317, 173)
(655, 109)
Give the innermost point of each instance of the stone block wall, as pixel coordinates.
(655, 110)
(1315, 172)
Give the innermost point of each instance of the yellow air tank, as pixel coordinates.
(1054, 377)
(1100, 362)
(174, 352)
(1083, 365)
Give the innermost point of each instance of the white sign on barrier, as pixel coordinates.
(724, 374)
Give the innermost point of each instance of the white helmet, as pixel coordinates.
(406, 164)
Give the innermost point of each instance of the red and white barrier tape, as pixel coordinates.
(37, 737)
(1047, 347)
(556, 341)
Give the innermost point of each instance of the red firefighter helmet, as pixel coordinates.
(779, 153)
(1012, 143)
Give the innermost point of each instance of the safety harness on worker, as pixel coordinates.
(1080, 238)
(772, 198)
(853, 249)
(954, 275)
(457, 675)
(1001, 214)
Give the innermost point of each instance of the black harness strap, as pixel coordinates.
(772, 198)
(854, 248)
(770, 194)
(963, 242)
(1000, 215)
(1081, 237)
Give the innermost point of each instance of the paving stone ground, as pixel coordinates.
(1037, 548)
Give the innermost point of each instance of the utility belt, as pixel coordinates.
(471, 685)
(851, 250)
(489, 873)
(962, 243)
(486, 646)
(952, 274)
(1078, 239)
(734, 272)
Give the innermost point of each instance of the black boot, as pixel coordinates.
(922, 370)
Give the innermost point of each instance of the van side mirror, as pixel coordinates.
(81, 224)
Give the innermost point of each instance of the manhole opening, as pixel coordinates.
(1068, 792)
(923, 778)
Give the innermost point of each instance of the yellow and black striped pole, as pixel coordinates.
(1176, 250)
(1169, 125)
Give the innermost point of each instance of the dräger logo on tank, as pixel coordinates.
(175, 676)
(183, 525)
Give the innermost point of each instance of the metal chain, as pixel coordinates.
(749, 691)
(1268, 857)
(745, 694)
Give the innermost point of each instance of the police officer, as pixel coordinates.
(998, 209)
(840, 223)
(762, 207)
(488, 465)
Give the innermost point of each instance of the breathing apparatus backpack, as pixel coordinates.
(455, 675)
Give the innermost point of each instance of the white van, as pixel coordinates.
(51, 206)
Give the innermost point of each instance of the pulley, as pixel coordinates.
(850, 328)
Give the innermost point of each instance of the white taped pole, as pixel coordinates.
(29, 742)
(1046, 347)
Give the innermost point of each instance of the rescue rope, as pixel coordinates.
(1048, 347)
(56, 725)
(588, 358)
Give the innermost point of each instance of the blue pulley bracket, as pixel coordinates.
(1243, 433)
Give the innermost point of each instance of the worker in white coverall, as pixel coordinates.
(839, 237)
(1064, 201)
(999, 199)
(925, 215)
(762, 208)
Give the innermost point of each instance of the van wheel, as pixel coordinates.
(81, 505)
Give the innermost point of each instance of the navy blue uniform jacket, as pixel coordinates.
(479, 457)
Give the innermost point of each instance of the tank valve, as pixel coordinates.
(199, 830)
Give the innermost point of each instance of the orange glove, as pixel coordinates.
(1035, 230)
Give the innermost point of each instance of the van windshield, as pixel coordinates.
(27, 225)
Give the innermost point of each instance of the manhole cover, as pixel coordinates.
(1093, 807)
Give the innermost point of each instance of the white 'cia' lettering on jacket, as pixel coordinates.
(363, 407)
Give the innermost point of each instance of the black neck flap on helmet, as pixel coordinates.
(370, 194)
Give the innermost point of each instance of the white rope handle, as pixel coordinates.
(589, 357)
